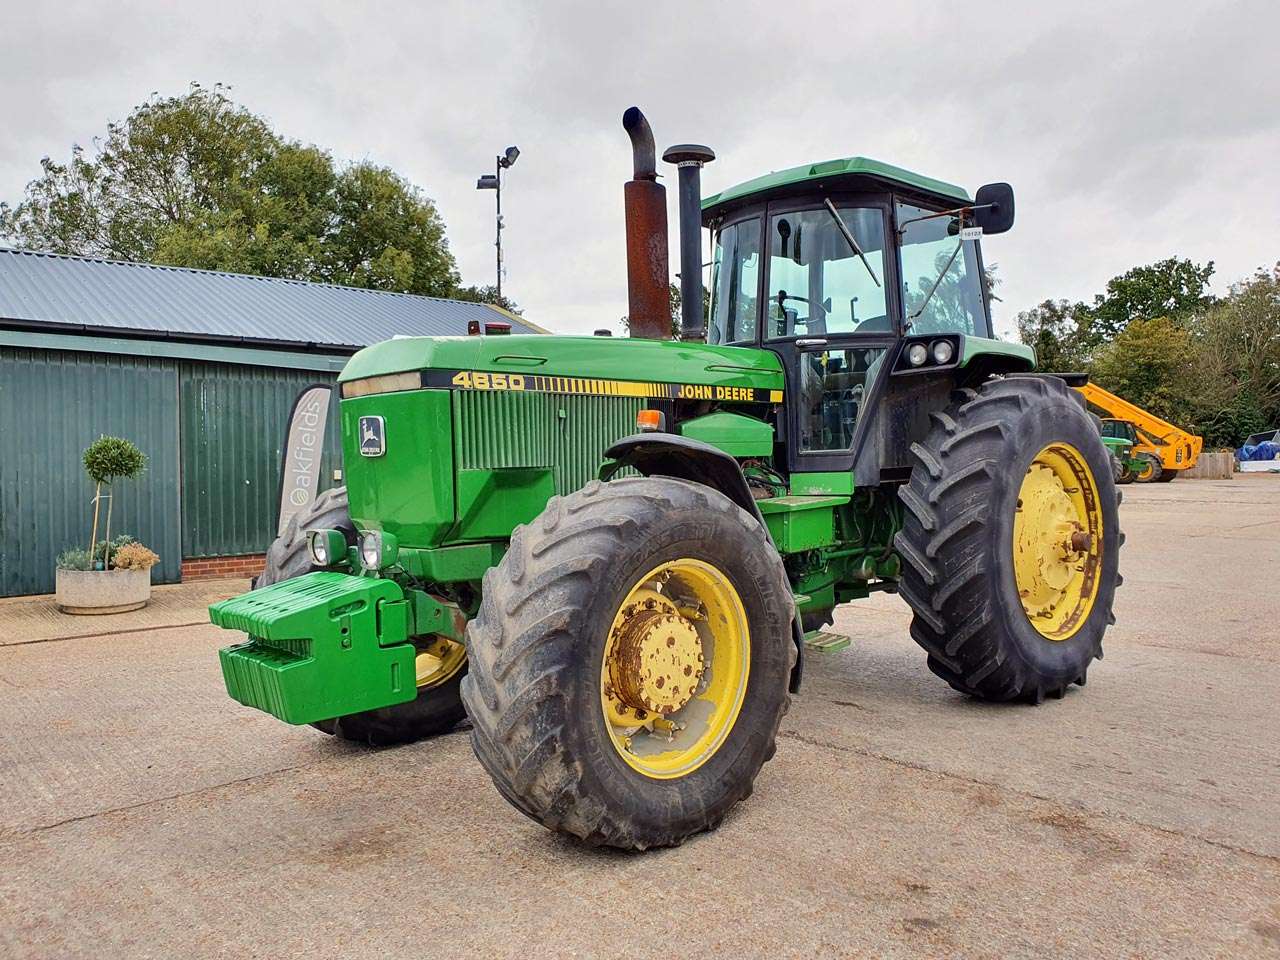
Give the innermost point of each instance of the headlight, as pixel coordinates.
(327, 547)
(377, 550)
(943, 351)
(371, 550)
(917, 354)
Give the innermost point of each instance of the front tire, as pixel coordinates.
(437, 709)
(1011, 541)
(611, 591)
(1150, 470)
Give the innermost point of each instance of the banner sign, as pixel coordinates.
(303, 449)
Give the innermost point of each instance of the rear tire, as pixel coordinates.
(1167, 475)
(540, 673)
(817, 620)
(960, 574)
(436, 710)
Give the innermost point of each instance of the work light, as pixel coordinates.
(917, 354)
(327, 547)
(943, 351)
(377, 550)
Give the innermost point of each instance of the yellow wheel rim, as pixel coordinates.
(438, 661)
(1146, 470)
(674, 674)
(1057, 541)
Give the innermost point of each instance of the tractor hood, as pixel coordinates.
(456, 440)
(603, 358)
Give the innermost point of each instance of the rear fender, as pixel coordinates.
(983, 357)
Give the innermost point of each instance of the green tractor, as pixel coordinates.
(1120, 438)
(611, 555)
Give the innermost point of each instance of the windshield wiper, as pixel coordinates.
(942, 273)
(853, 244)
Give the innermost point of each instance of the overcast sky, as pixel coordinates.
(1130, 131)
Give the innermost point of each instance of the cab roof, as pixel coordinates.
(849, 167)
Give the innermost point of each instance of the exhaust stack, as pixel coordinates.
(648, 306)
(689, 159)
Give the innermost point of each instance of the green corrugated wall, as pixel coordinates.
(234, 420)
(212, 432)
(53, 404)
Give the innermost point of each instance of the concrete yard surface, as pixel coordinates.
(37, 619)
(144, 814)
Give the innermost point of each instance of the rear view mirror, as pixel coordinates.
(994, 208)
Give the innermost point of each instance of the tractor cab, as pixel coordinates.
(1119, 430)
(851, 271)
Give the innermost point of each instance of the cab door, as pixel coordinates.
(833, 318)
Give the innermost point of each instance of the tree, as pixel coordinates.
(1175, 288)
(673, 305)
(991, 279)
(1057, 330)
(1150, 363)
(107, 460)
(1237, 373)
(487, 293)
(199, 181)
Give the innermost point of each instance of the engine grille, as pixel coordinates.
(566, 433)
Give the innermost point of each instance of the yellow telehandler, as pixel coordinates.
(1165, 450)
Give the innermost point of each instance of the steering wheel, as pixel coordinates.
(817, 316)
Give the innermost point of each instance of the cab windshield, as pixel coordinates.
(817, 282)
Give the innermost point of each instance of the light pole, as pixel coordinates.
(493, 181)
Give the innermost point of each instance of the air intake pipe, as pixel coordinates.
(689, 159)
(648, 305)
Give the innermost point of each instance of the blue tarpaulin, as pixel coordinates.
(1263, 451)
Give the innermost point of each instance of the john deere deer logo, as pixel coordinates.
(373, 437)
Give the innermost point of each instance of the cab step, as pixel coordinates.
(823, 641)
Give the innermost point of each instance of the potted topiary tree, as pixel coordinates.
(112, 576)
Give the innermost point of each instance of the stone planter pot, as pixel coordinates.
(102, 591)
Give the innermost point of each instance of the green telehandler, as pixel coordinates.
(611, 555)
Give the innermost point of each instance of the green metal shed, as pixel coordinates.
(200, 369)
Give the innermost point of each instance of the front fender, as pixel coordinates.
(671, 455)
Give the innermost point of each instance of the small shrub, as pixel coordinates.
(74, 558)
(134, 556)
(115, 543)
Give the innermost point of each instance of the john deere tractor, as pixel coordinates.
(611, 555)
(1120, 437)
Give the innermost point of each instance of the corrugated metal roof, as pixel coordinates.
(84, 293)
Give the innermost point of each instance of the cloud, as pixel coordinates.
(1131, 131)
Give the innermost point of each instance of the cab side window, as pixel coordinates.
(735, 273)
(941, 282)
